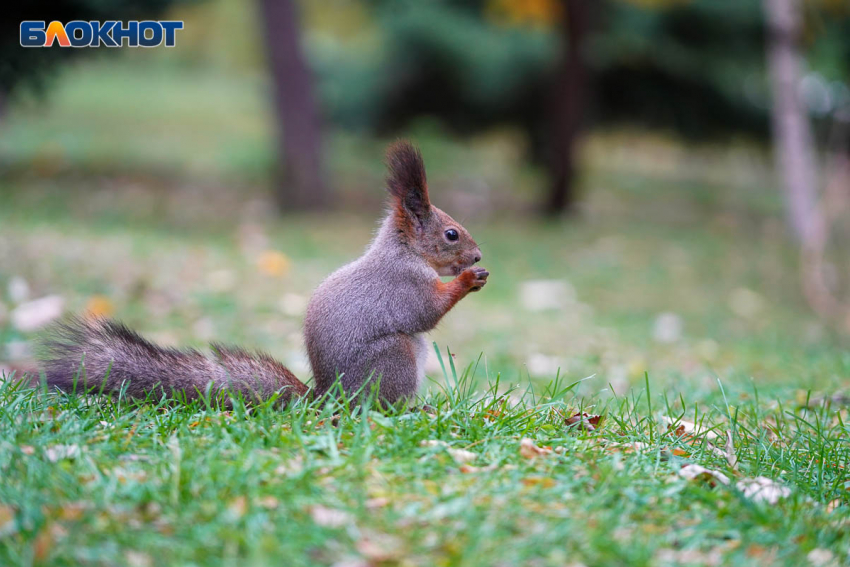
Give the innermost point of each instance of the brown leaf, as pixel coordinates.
(529, 450)
(380, 548)
(238, 506)
(698, 473)
(73, 511)
(378, 502)
(492, 414)
(684, 428)
(268, 502)
(468, 469)
(584, 421)
(628, 447)
(541, 481)
(43, 544)
(329, 517)
(7, 514)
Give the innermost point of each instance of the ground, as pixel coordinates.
(674, 294)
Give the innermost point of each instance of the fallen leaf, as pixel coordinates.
(688, 557)
(268, 502)
(584, 421)
(60, 452)
(18, 289)
(680, 452)
(73, 511)
(380, 548)
(273, 263)
(462, 456)
(433, 443)
(833, 505)
(138, 559)
(293, 466)
(377, 502)
(529, 450)
(238, 506)
(541, 481)
(763, 489)
(745, 303)
(43, 543)
(730, 455)
(545, 295)
(352, 562)
(682, 428)
(820, 557)
(35, 314)
(293, 304)
(468, 469)
(99, 306)
(329, 517)
(27, 449)
(667, 328)
(7, 514)
(699, 473)
(628, 447)
(123, 475)
(493, 414)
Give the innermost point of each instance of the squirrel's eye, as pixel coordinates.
(452, 234)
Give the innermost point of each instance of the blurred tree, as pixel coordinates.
(566, 107)
(793, 140)
(691, 66)
(301, 184)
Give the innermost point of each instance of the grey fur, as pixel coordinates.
(366, 321)
(97, 354)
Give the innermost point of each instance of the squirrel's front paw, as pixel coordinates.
(476, 277)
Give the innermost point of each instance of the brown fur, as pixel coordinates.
(406, 182)
(452, 292)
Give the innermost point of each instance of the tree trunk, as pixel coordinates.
(3, 106)
(792, 135)
(301, 184)
(568, 97)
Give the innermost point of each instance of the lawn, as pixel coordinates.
(673, 299)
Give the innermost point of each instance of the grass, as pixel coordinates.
(115, 482)
(169, 229)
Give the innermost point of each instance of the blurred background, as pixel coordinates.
(658, 186)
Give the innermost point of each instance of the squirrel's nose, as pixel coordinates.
(477, 256)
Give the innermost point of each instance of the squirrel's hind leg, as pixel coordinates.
(395, 360)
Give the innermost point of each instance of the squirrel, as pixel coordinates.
(364, 324)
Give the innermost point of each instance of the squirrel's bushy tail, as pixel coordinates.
(99, 354)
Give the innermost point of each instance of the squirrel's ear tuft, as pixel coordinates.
(406, 180)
